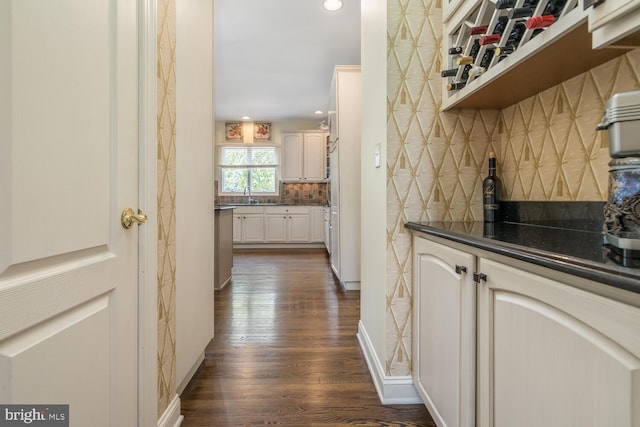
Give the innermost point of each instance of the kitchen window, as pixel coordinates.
(248, 170)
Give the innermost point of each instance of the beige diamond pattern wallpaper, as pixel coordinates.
(550, 147)
(434, 159)
(547, 148)
(166, 203)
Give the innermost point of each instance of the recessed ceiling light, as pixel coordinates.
(318, 112)
(246, 118)
(332, 5)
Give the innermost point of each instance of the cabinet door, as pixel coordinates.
(553, 355)
(237, 228)
(317, 225)
(253, 228)
(275, 227)
(292, 146)
(444, 332)
(298, 228)
(314, 157)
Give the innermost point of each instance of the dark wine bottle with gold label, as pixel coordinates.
(491, 189)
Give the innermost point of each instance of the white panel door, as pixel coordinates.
(444, 319)
(298, 228)
(253, 228)
(314, 156)
(553, 355)
(291, 156)
(275, 227)
(68, 168)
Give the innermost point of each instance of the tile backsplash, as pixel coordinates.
(289, 193)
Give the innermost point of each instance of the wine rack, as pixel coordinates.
(531, 59)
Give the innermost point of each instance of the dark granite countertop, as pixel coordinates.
(574, 247)
(223, 207)
(235, 205)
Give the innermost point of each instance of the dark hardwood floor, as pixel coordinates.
(285, 352)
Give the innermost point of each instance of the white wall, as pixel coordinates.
(374, 180)
(194, 186)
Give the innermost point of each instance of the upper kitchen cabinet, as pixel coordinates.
(497, 53)
(303, 156)
(615, 23)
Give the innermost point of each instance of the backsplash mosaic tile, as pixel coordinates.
(289, 193)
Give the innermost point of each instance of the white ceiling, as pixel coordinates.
(274, 58)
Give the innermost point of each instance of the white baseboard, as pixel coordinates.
(240, 246)
(392, 390)
(350, 286)
(185, 381)
(171, 416)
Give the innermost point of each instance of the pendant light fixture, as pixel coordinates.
(332, 5)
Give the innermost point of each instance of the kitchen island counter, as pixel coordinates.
(575, 248)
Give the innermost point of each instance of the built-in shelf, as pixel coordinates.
(561, 52)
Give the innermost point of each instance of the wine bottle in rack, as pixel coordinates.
(500, 25)
(509, 4)
(449, 73)
(486, 58)
(538, 22)
(520, 12)
(476, 71)
(503, 51)
(480, 29)
(554, 7)
(489, 39)
(455, 50)
(464, 60)
(456, 86)
(505, 4)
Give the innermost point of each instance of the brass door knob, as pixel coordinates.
(129, 217)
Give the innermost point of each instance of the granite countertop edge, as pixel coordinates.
(617, 276)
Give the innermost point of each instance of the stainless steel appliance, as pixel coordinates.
(622, 209)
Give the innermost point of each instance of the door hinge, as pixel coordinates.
(479, 277)
(460, 269)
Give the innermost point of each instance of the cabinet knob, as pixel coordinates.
(461, 269)
(479, 277)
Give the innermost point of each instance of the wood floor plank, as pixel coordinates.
(285, 352)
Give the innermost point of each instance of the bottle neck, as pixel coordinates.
(492, 167)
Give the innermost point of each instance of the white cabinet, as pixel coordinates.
(303, 156)
(547, 353)
(287, 224)
(444, 332)
(553, 355)
(616, 23)
(317, 224)
(248, 224)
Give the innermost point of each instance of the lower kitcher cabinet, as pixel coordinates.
(550, 354)
(287, 224)
(546, 353)
(444, 332)
(248, 225)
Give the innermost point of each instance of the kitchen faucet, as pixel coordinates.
(251, 201)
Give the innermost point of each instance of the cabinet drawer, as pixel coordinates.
(286, 210)
(248, 210)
